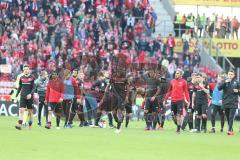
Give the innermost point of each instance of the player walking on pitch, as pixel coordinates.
(178, 91)
(26, 87)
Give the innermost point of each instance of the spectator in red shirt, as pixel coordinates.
(235, 25)
(170, 44)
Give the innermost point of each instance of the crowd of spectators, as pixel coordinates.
(218, 26)
(48, 34)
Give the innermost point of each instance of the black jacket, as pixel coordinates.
(230, 98)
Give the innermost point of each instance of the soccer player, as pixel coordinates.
(217, 105)
(151, 100)
(54, 98)
(200, 95)
(71, 91)
(77, 108)
(131, 100)
(164, 84)
(188, 119)
(40, 88)
(25, 115)
(26, 87)
(178, 91)
(100, 86)
(119, 88)
(230, 88)
(190, 110)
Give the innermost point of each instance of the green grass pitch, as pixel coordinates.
(103, 144)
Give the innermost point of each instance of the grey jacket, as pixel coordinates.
(41, 86)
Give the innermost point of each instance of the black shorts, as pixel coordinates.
(56, 107)
(128, 108)
(106, 104)
(177, 107)
(26, 103)
(76, 107)
(201, 109)
(117, 101)
(151, 106)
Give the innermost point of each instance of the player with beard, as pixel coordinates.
(26, 87)
(178, 91)
(151, 99)
(200, 95)
(119, 88)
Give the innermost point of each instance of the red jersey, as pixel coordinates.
(55, 91)
(171, 42)
(178, 90)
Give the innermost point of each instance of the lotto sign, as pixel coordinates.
(229, 48)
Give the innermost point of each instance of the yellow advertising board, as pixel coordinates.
(179, 46)
(229, 48)
(223, 3)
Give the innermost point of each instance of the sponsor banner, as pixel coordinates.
(222, 3)
(229, 48)
(179, 45)
(11, 109)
